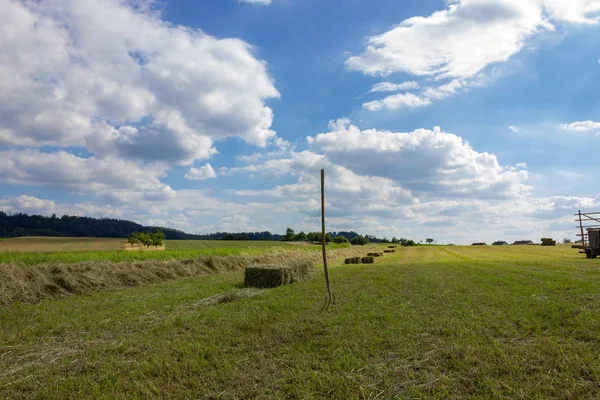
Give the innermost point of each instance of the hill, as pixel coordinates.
(16, 225)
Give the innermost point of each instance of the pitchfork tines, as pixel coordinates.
(329, 300)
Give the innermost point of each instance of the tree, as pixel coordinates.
(301, 237)
(313, 236)
(395, 241)
(385, 240)
(157, 237)
(359, 241)
(429, 240)
(289, 235)
(340, 239)
(567, 241)
(133, 239)
(145, 239)
(229, 236)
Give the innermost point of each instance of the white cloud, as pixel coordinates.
(115, 180)
(136, 87)
(394, 87)
(432, 162)
(460, 42)
(401, 100)
(581, 126)
(513, 128)
(201, 174)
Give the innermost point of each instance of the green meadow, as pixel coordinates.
(425, 322)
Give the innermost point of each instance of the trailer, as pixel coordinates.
(589, 228)
(592, 250)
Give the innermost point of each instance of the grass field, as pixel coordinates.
(426, 322)
(31, 251)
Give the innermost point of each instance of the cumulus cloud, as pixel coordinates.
(115, 179)
(581, 126)
(401, 100)
(137, 87)
(432, 162)
(394, 87)
(458, 43)
(201, 174)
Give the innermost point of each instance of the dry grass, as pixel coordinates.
(141, 247)
(228, 297)
(34, 244)
(34, 283)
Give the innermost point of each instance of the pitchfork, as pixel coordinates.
(329, 295)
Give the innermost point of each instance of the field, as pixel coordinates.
(426, 322)
(38, 250)
(31, 244)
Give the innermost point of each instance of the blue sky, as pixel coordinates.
(462, 120)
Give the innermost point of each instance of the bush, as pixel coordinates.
(340, 239)
(359, 241)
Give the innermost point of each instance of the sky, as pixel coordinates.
(459, 120)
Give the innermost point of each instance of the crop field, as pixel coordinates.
(32, 251)
(425, 322)
(32, 244)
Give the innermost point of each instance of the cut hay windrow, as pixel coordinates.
(33, 283)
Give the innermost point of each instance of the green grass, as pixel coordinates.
(175, 250)
(425, 322)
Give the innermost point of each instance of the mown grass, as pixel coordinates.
(426, 322)
(175, 250)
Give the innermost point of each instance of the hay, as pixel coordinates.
(273, 275)
(30, 284)
(388, 251)
(352, 260)
(229, 297)
(391, 247)
(374, 254)
(368, 260)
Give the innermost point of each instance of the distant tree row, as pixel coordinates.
(147, 239)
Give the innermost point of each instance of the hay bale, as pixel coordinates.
(391, 247)
(388, 251)
(348, 261)
(368, 260)
(376, 254)
(356, 260)
(270, 275)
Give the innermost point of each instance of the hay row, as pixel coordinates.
(375, 255)
(389, 251)
(33, 283)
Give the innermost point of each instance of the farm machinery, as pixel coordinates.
(590, 241)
